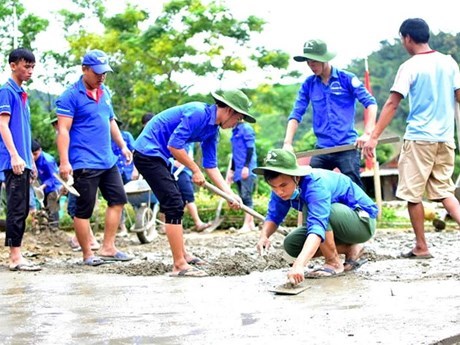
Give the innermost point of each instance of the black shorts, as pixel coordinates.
(158, 175)
(86, 183)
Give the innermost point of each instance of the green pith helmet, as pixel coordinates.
(237, 100)
(315, 50)
(283, 162)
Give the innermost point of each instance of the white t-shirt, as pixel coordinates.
(430, 80)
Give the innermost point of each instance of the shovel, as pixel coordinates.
(218, 220)
(246, 209)
(289, 289)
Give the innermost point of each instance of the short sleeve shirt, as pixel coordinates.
(90, 140)
(14, 103)
(178, 126)
(430, 81)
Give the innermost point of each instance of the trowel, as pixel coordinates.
(67, 184)
(288, 289)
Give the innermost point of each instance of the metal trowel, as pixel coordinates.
(288, 289)
(67, 184)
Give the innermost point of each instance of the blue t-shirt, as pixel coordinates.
(46, 166)
(90, 140)
(333, 107)
(177, 126)
(14, 102)
(243, 137)
(125, 170)
(319, 190)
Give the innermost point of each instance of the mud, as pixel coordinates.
(228, 253)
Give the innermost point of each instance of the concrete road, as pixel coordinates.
(91, 308)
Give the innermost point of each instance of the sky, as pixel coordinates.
(353, 28)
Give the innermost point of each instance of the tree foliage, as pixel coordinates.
(154, 61)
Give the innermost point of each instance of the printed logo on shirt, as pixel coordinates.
(355, 82)
(336, 88)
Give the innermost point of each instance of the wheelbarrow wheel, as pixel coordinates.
(146, 219)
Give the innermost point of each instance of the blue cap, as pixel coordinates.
(97, 60)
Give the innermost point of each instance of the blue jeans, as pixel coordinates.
(348, 162)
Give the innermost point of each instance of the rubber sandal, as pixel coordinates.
(189, 272)
(119, 256)
(25, 267)
(93, 261)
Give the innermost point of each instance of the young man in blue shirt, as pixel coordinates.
(244, 159)
(86, 126)
(332, 93)
(16, 159)
(339, 215)
(46, 168)
(166, 136)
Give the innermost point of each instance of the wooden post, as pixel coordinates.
(377, 186)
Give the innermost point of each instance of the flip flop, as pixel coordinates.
(189, 272)
(94, 261)
(330, 273)
(26, 267)
(355, 264)
(118, 256)
(411, 255)
(197, 262)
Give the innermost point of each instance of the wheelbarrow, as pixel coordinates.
(147, 209)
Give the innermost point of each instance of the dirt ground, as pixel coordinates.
(229, 254)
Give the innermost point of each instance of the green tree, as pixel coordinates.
(153, 62)
(13, 16)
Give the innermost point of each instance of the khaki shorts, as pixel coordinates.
(425, 167)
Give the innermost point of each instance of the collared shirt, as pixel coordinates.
(177, 126)
(125, 170)
(333, 106)
(430, 80)
(90, 139)
(243, 137)
(46, 166)
(318, 191)
(13, 101)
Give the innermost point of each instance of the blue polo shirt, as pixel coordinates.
(177, 126)
(14, 102)
(189, 148)
(46, 166)
(318, 191)
(333, 107)
(125, 170)
(90, 140)
(243, 137)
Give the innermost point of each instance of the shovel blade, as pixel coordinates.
(288, 289)
(214, 226)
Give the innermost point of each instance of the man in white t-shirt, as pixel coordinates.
(432, 82)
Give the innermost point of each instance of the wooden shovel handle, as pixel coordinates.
(246, 209)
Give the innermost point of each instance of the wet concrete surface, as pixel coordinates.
(94, 308)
